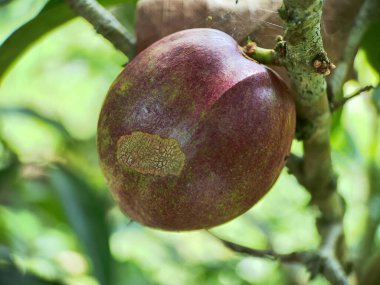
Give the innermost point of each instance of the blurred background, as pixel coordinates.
(58, 223)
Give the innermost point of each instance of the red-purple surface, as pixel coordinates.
(232, 118)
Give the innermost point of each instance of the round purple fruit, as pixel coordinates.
(192, 133)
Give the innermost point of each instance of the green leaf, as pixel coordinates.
(370, 44)
(86, 212)
(52, 15)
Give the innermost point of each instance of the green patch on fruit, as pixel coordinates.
(150, 154)
(124, 86)
(121, 85)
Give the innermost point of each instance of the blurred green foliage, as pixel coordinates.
(58, 223)
(53, 14)
(370, 42)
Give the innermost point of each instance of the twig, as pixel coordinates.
(294, 257)
(362, 22)
(315, 262)
(105, 24)
(335, 105)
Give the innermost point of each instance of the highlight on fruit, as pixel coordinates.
(192, 133)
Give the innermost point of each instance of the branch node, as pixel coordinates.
(322, 64)
(280, 47)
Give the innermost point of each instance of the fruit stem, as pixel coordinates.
(259, 54)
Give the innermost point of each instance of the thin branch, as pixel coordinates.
(294, 257)
(362, 22)
(336, 105)
(316, 262)
(105, 24)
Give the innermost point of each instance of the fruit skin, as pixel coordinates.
(192, 133)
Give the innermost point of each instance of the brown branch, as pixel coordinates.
(105, 24)
(320, 262)
(336, 105)
(294, 257)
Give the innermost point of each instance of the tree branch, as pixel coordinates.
(307, 64)
(306, 61)
(105, 24)
(303, 45)
(294, 257)
(322, 261)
